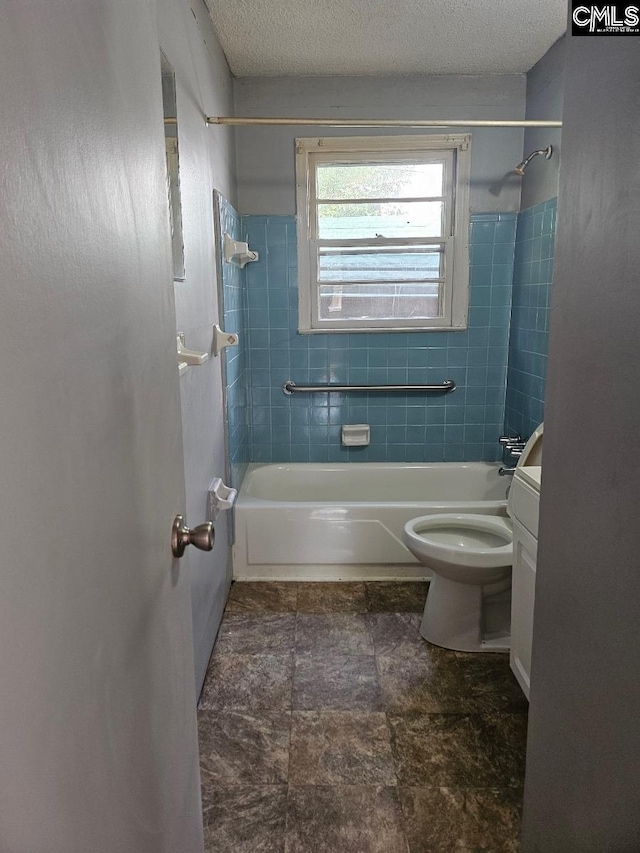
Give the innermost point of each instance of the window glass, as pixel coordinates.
(368, 220)
(380, 301)
(379, 180)
(394, 263)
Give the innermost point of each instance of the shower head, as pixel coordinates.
(548, 151)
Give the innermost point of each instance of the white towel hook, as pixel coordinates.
(189, 356)
(220, 497)
(222, 339)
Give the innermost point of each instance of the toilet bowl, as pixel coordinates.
(469, 602)
(471, 557)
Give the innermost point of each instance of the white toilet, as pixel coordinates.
(469, 603)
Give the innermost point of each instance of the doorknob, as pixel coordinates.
(202, 536)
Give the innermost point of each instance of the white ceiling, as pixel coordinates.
(269, 38)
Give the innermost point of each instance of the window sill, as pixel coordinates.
(355, 330)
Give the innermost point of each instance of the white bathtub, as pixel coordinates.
(344, 521)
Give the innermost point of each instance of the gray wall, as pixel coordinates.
(265, 156)
(207, 161)
(98, 739)
(533, 260)
(583, 763)
(545, 88)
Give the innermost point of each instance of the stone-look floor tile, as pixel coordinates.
(248, 682)
(455, 820)
(458, 750)
(503, 740)
(340, 748)
(455, 728)
(426, 685)
(244, 819)
(331, 598)
(493, 818)
(256, 634)
(436, 750)
(344, 819)
(393, 597)
(435, 819)
(241, 747)
(487, 684)
(336, 682)
(250, 597)
(333, 633)
(398, 635)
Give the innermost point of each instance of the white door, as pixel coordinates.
(98, 745)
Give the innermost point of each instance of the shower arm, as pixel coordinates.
(547, 152)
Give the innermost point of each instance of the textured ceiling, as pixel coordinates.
(383, 37)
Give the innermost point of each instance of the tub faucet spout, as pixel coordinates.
(507, 472)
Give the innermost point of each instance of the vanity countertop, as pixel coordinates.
(531, 474)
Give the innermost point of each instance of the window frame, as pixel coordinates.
(456, 149)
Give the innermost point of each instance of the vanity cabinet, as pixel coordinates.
(525, 501)
(525, 549)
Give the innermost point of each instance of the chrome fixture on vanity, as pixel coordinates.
(515, 449)
(548, 151)
(513, 445)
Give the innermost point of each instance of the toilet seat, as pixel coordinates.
(475, 541)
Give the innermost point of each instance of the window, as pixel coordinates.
(383, 228)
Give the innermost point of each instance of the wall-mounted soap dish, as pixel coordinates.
(235, 251)
(356, 435)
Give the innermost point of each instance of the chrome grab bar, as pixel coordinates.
(290, 387)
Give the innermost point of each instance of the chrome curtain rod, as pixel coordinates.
(361, 122)
(290, 387)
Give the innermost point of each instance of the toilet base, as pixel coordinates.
(454, 616)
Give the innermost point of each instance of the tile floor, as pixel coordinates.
(327, 725)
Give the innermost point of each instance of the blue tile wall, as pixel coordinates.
(533, 270)
(236, 360)
(462, 426)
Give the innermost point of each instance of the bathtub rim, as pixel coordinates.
(246, 499)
